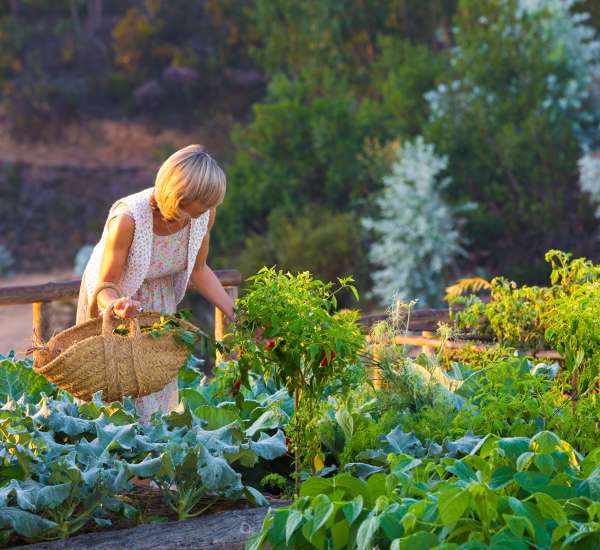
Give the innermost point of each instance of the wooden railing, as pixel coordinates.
(40, 296)
(424, 321)
(419, 320)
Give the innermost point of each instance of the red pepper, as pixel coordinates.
(236, 387)
(324, 361)
(270, 344)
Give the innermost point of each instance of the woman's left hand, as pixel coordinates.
(127, 308)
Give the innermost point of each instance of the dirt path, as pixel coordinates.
(16, 321)
(110, 143)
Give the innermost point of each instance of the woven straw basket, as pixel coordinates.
(89, 357)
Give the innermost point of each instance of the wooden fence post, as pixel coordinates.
(220, 319)
(41, 321)
(375, 373)
(427, 350)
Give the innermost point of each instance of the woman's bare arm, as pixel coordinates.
(118, 242)
(205, 281)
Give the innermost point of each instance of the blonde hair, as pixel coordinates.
(187, 175)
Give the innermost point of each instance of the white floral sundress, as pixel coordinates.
(169, 257)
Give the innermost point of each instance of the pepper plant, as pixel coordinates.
(292, 333)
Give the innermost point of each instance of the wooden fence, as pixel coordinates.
(40, 296)
(423, 321)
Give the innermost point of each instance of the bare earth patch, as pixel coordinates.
(100, 142)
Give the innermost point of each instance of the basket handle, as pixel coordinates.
(93, 307)
(107, 326)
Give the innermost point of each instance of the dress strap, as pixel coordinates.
(118, 209)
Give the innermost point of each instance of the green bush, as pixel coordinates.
(511, 112)
(326, 244)
(562, 315)
(515, 492)
(315, 37)
(302, 146)
(314, 142)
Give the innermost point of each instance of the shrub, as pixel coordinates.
(417, 236)
(325, 243)
(311, 137)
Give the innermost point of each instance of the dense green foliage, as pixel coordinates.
(487, 451)
(316, 141)
(492, 453)
(305, 98)
(305, 344)
(482, 90)
(507, 112)
(511, 492)
(562, 315)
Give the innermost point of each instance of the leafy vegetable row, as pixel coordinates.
(63, 466)
(510, 492)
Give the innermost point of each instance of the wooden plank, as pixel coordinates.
(49, 292)
(420, 319)
(460, 344)
(211, 531)
(69, 290)
(437, 343)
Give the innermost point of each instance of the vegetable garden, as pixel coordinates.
(453, 449)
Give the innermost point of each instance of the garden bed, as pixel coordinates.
(481, 449)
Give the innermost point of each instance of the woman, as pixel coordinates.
(154, 243)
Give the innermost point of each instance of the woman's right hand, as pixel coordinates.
(126, 308)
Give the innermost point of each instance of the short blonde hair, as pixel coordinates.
(187, 175)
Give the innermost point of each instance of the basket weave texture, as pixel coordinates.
(89, 357)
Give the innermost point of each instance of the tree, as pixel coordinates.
(512, 115)
(307, 143)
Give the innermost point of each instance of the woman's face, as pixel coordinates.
(193, 209)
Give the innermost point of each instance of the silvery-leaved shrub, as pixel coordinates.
(589, 177)
(416, 235)
(574, 43)
(81, 258)
(7, 261)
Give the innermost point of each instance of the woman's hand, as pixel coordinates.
(232, 318)
(127, 308)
